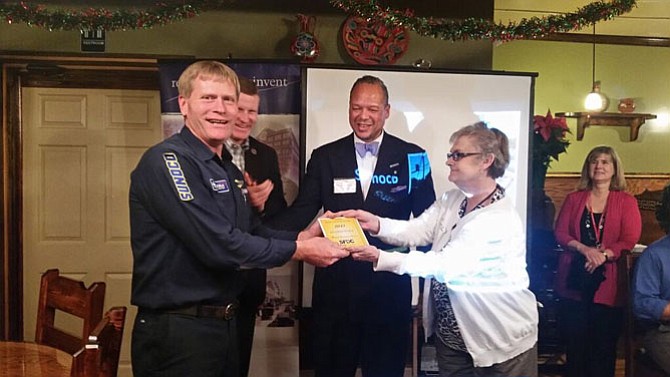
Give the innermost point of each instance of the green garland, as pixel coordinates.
(474, 28)
(167, 12)
(162, 13)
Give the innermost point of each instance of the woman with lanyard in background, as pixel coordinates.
(595, 224)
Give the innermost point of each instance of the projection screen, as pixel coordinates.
(426, 108)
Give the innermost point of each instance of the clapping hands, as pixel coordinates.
(258, 193)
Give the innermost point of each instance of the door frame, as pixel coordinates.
(19, 71)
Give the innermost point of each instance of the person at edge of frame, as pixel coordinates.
(651, 291)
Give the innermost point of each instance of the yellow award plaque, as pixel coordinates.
(344, 230)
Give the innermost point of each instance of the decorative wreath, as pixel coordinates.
(168, 11)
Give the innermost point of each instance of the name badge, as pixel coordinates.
(344, 185)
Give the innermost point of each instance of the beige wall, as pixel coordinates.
(243, 35)
(625, 71)
(650, 18)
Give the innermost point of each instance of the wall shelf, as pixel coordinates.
(586, 119)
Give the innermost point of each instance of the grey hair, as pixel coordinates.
(488, 140)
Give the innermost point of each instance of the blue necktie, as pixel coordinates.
(363, 148)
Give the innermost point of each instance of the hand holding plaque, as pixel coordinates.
(345, 231)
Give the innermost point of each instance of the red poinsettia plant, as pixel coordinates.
(549, 141)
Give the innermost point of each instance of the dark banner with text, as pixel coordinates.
(278, 84)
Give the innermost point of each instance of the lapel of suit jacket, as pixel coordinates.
(251, 160)
(344, 165)
(386, 156)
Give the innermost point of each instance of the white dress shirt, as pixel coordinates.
(366, 165)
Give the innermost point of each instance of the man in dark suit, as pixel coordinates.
(259, 164)
(362, 318)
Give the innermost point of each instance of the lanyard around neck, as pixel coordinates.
(597, 227)
(488, 197)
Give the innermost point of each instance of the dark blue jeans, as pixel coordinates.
(177, 345)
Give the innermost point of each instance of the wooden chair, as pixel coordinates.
(100, 356)
(637, 363)
(59, 293)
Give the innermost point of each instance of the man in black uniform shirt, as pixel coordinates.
(192, 231)
(260, 166)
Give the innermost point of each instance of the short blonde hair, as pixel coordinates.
(618, 182)
(206, 70)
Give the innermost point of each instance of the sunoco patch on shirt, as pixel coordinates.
(178, 177)
(220, 185)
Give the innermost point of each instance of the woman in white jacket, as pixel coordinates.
(476, 300)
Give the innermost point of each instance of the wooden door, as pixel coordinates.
(79, 147)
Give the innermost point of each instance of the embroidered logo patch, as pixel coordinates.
(178, 177)
(220, 185)
(419, 168)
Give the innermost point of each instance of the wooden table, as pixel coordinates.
(19, 359)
